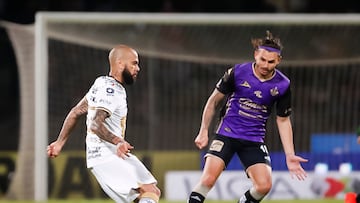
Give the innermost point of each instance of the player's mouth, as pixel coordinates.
(264, 71)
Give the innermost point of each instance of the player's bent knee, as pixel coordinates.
(263, 188)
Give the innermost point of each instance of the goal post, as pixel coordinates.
(41, 109)
(182, 56)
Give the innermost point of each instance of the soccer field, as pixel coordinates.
(164, 201)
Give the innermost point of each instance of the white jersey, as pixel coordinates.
(109, 95)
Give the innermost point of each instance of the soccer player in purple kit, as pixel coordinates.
(251, 90)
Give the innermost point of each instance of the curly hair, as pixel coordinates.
(269, 40)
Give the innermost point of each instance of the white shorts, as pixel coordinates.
(119, 178)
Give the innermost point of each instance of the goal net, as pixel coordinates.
(181, 58)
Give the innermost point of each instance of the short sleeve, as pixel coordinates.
(283, 105)
(226, 84)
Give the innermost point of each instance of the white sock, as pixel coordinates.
(255, 194)
(203, 190)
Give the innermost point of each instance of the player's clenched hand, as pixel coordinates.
(53, 149)
(294, 166)
(202, 139)
(123, 149)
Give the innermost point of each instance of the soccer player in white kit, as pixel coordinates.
(122, 176)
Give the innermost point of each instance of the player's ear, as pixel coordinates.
(121, 65)
(256, 52)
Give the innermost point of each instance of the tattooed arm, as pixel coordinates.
(54, 149)
(97, 126)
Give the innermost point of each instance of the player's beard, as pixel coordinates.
(128, 78)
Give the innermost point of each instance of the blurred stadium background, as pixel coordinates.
(181, 61)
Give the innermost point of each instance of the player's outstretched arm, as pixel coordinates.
(212, 103)
(54, 148)
(293, 162)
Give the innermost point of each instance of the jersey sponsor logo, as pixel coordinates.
(93, 152)
(104, 101)
(249, 104)
(243, 113)
(110, 91)
(216, 145)
(93, 139)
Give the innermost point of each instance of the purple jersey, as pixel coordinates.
(250, 102)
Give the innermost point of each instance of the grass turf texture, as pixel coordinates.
(164, 201)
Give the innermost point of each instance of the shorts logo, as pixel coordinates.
(216, 145)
